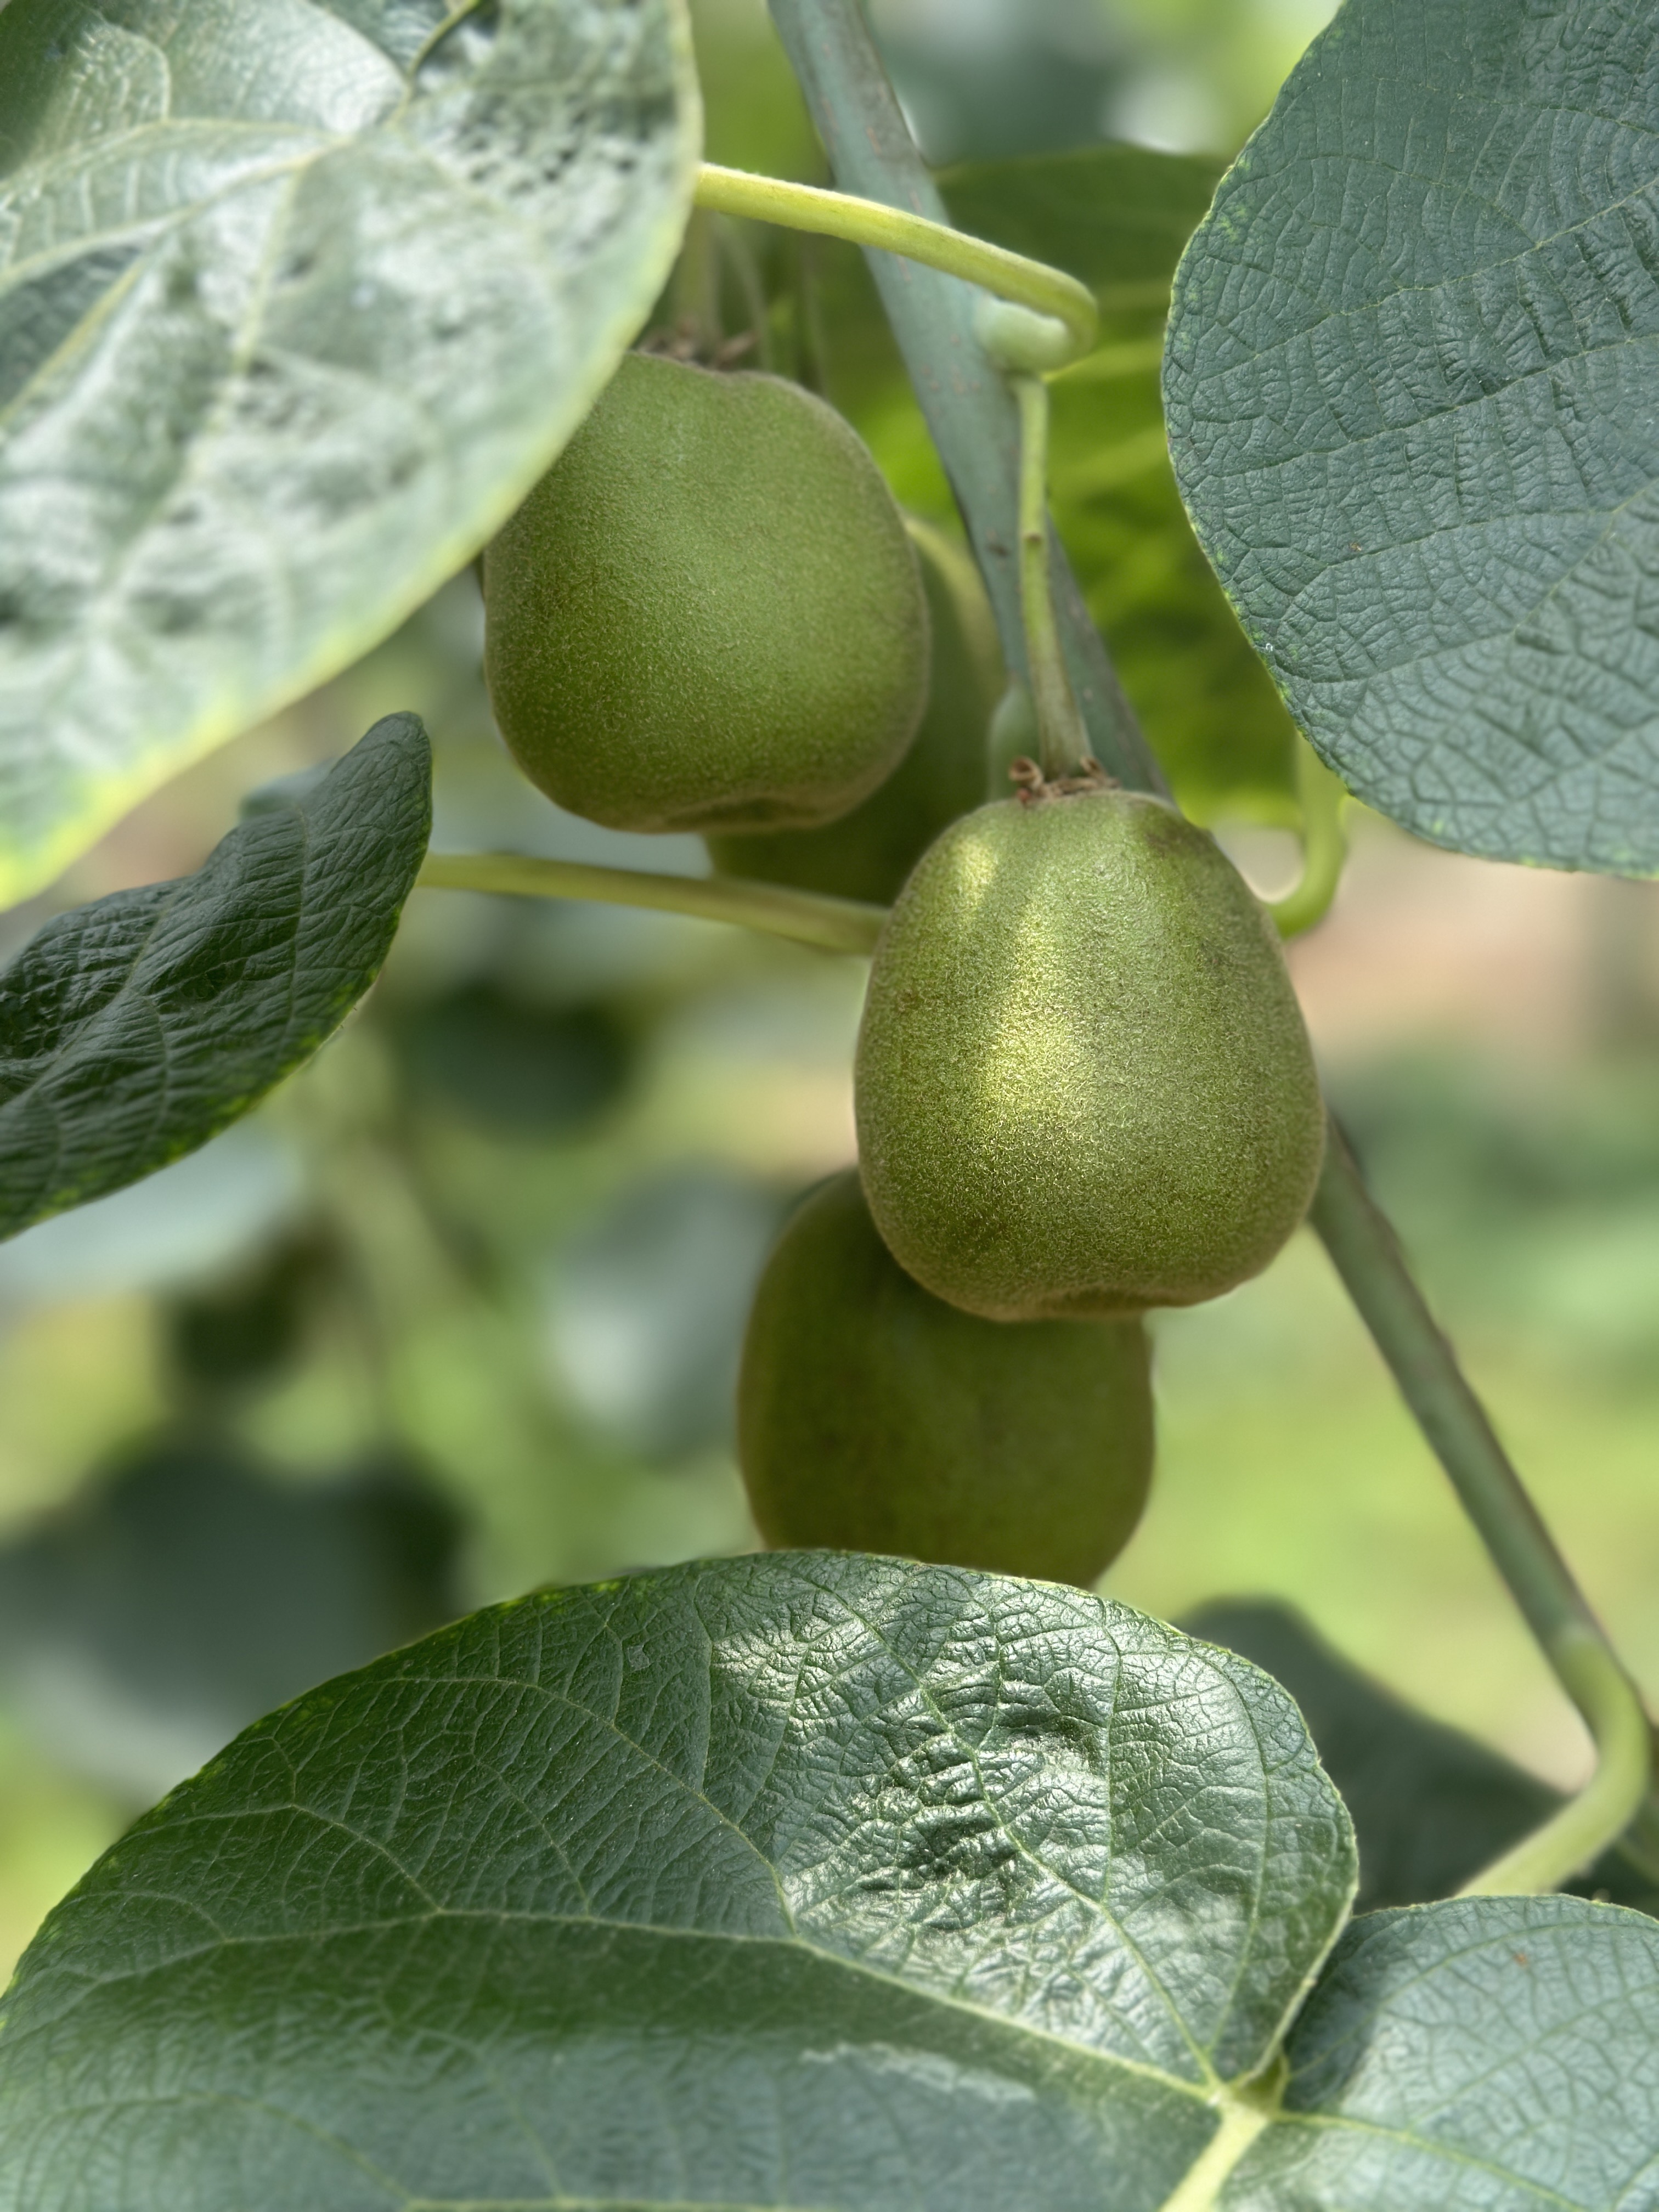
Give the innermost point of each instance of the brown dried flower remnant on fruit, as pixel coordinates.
(1034, 785)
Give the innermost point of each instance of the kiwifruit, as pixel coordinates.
(872, 1416)
(867, 854)
(1083, 1082)
(708, 614)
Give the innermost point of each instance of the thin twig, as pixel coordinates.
(834, 925)
(1063, 743)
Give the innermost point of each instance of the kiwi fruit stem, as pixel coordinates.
(817, 918)
(1063, 743)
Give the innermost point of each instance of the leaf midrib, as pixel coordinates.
(1198, 2093)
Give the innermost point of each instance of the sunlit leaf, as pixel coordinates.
(1493, 2054)
(813, 1882)
(297, 298)
(1430, 1806)
(806, 1881)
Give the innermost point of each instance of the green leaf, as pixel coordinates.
(1429, 1805)
(1118, 217)
(807, 1881)
(133, 1030)
(1490, 2055)
(297, 300)
(1412, 385)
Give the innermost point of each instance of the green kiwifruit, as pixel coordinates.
(706, 615)
(1083, 1082)
(873, 1417)
(868, 853)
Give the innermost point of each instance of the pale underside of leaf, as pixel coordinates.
(285, 333)
(1412, 385)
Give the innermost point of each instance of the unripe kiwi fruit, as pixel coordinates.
(872, 1416)
(1083, 1082)
(867, 854)
(706, 615)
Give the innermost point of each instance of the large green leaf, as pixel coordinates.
(133, 1030)
(1412, 384)
(297, 298)
(801, 1881)
(1118, 217)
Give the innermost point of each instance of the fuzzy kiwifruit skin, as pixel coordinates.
(1083, 1085)
(708, 614)
(867, 854)
(873, 1417)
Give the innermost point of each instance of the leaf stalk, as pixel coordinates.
(1577, 1835)
(834, 925)
(1245, 2113)
(1032, 284)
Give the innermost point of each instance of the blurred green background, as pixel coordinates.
(458, 1311)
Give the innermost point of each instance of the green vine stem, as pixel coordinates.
(1366, 1255)
(1062, 741)
(1604, 1808)
(834, 925)
(1324, 847)
(1046, 291)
